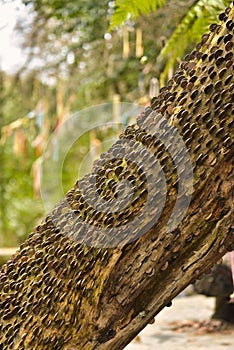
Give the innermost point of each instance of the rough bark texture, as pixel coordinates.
(60, 292)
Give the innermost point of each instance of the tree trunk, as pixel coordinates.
(92, 278)
(218, 283)
(224, 309)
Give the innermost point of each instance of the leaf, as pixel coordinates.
(125, 9)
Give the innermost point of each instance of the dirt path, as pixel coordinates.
(176, 328)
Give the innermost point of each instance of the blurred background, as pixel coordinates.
(58, 57)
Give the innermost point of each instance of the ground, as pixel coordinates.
(185, 326)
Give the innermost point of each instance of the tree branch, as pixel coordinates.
(96, 271)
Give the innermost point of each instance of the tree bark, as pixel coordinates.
(90, 279)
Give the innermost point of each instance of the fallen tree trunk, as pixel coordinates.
(96, 271)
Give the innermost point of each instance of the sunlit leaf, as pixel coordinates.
(125, 9)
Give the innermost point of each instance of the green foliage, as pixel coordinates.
(125, 9)
(23, 210)
(195, 23)
(19, 210)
